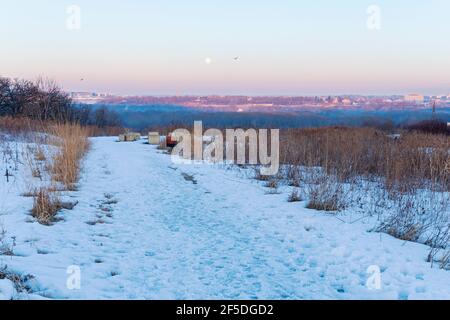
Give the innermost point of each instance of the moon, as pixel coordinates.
(208, 60)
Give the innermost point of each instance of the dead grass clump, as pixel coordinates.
(418, 217)
(404, 223)
(6, 247)
(45, 206)
(21, 282)
(295, 196)
(260, 177)
(39, 154)
(293, 175)
(72, 141)
(36, 173)
(326, 195)
(272, 184)
(444, 262)
(439, 243)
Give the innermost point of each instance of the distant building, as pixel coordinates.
(346, 101)
(414, 97)
(88, 97)
(82, 94)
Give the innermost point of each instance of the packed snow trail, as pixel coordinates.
(144, 230)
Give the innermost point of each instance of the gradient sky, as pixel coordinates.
(286, 47)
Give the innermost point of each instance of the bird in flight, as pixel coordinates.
(236, 58)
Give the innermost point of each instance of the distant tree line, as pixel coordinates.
(44, 100)
(434, 126)
(145, 117)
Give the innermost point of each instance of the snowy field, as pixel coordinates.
(145, 228)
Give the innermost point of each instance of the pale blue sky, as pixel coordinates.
(285, 46)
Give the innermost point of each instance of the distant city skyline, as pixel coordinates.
(407, 96)
(242, 103)
(254, 48)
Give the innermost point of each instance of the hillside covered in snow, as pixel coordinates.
(142, 227)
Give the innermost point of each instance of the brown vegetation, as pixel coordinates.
(45, 206)
(295, 196)
(410, 171)
(407, 161)
(72, 142)
(326, 194)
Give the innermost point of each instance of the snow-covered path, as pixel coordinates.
(143, 230)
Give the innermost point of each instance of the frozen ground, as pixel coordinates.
(144, 230)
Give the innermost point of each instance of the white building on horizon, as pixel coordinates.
(415, 97)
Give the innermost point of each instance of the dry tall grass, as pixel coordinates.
(407, 162)
(19, 125)
(326, 194)
(22, 126)
(73, 143)
(63, 166)
(411, 168)
(45, 206)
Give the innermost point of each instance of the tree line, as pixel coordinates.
(44, 100)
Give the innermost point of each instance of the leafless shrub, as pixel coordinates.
(445, 260)
(295, 196)
(21, 282)
(6, 247)
(418, 217)
(439, 242)
(293, 176)
(10, 157)
(272, 183)
(403, 223)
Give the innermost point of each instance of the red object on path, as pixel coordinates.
(171, 142)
